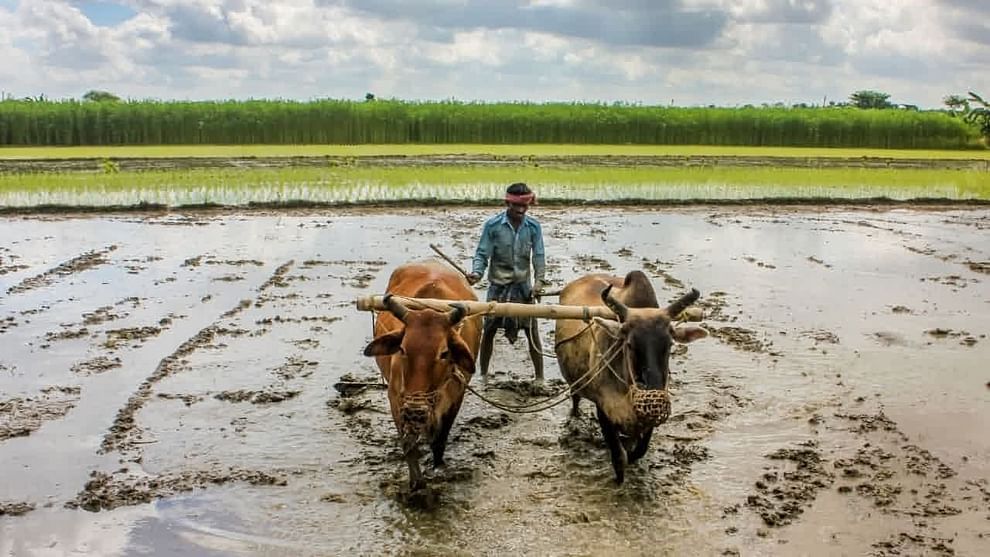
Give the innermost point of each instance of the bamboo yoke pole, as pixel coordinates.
(498, 309)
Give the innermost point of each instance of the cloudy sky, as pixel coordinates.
(685, 52)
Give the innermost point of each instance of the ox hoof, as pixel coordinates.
(417, 485)
(425, 498)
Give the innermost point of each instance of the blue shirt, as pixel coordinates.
(510, 250)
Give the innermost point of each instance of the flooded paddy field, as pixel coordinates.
(167, 387)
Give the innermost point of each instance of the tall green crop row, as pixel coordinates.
(349, 122)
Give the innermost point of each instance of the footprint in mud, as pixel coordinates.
(7, 323)
(658, 268)
(256, 397)
(966, 339)
(740, 338)
(871, 459)
(587, 262)
(888, 338)
(820, 336)
(10, 267)
(131, 336)
(106, 313)
(785, 491)
(955, 281)
(759, 263)
(15, 509)
(22, 416)
(715, 307)
(67, 334)
(905, 543)
(121, 488)
(497, 421)
(978, 266)
(77, 264)
(818, 261)
(96, 366)
(527, 388)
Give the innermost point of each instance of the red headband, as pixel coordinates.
(521, 198)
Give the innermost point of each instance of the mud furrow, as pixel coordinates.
(22, 416)
(77, 264)
(125, 432)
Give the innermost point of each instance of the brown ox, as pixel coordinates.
(419, 353)
(633, 356)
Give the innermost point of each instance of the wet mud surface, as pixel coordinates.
(194, 383)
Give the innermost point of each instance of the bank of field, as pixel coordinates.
(73, 123)
(513, 150)
(474, 184)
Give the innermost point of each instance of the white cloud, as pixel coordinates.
(693, 51)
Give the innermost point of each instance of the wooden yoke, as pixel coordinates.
(498, 309)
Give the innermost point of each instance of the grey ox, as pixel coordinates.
(623, 367)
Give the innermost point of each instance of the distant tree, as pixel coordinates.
(870, 99)
(369, 97)
(978, 113)
(100, 96)
(957, 104)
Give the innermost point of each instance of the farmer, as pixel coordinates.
(511, 242)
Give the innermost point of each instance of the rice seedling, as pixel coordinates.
(477, 184)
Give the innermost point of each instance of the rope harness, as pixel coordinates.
(651, 406)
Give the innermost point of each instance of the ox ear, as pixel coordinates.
(689, 333)
(460, 354)
(386, 344)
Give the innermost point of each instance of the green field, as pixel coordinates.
(344, 122)
(181, 151)
(474, 184)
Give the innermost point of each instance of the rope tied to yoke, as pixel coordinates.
(545, 404)
(652, 406)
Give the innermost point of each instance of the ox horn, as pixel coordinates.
(616, 306)
(395, 306)
(682, 303)
(457, 312)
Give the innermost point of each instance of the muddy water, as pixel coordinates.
(166, 383)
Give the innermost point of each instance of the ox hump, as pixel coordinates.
(637, 291)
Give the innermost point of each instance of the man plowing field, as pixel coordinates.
(511, 243)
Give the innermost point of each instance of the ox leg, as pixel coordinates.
(535, 348)
(642, 444)
(487, 343)
(410, 449)
(575, 410)
(615, 448)
(439, 444)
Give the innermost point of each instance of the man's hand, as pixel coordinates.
(473, 278)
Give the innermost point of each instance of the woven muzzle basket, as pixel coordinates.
(652, 406)
(416, 411)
